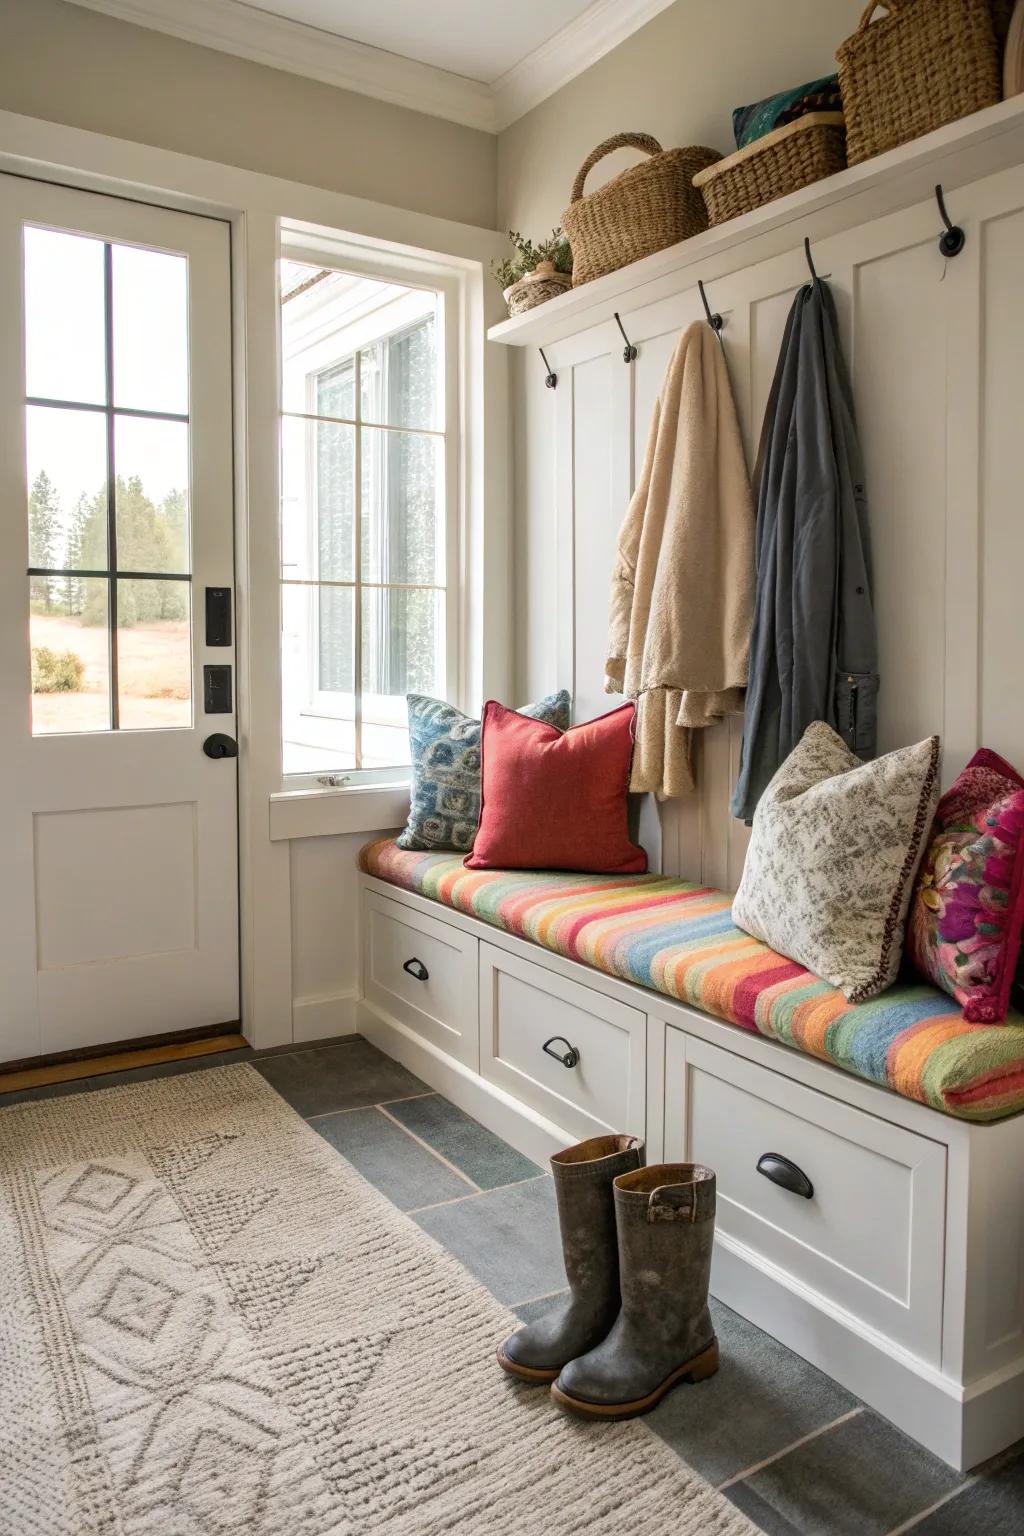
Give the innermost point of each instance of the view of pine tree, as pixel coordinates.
(44, 538)
(149, 538)
(75, 588)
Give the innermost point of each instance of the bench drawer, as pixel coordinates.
(870, 1237)
(522, 1006)
(424, 973)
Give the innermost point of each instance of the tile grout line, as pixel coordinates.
(474, 1186)
(417, 1210)
(353, 1109)
(922, 1514)
(759, 1466)
(563, 1290)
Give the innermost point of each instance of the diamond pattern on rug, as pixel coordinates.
(99, 1189)
(176, 1164)
(260, 1290)
(221, 1474)
(149, 1388)
(215, 1215)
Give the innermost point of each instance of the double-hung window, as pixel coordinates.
(364, 530)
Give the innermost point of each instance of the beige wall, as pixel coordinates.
(677, 78)
(77, 67)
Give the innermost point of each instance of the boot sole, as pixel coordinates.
(535, 1377)
(698, 1369)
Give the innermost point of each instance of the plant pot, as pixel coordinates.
(536, 287)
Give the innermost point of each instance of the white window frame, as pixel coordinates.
(337, 254)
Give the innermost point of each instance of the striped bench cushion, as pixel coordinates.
(680, 939)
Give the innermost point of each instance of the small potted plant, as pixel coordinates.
(534, 273)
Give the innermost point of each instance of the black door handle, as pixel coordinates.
(417, 969)
(785, 1174)
(219, 745)
(571, 1055)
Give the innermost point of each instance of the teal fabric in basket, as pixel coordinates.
(753, 122)
(444, 744)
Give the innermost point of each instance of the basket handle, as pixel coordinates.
(642, 141)
(892, 6)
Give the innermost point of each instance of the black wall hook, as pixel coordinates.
(628, 351)
(714, 320)
(551, 379)
(810, 263)
(952, 240)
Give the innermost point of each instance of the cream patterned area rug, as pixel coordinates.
(210, 1324)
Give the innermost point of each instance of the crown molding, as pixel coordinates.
(232, 26)
(596, 31)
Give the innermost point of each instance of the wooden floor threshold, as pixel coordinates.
(117, 1061)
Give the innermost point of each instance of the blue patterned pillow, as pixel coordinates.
(444, 809)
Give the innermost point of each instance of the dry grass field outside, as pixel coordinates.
(155, 676)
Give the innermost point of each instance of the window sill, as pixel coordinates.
(330, 812)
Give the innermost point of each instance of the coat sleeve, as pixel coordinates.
(624, 574)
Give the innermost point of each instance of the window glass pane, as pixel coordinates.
(154, 655)
(151, 495)
(403, 652)
(335, 391)
(401, 386)
(71, 659)
(150, 324)
(335, 650)
(318, 505)
(317, 651)
(402, 508)
(66, 455)
(64, 322)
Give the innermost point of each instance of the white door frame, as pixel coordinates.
(255, 206)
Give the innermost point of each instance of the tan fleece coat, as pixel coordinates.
(683, 589)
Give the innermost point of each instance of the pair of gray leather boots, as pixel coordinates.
(637, 1247)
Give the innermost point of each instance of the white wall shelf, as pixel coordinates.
(955, 155)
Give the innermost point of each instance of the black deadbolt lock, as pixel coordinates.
(219, 745)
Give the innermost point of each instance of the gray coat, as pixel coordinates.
(813, 647)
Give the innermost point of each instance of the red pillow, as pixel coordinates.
(556, 799)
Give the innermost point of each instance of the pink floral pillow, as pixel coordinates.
(964, 927)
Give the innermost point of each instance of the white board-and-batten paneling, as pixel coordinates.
(936, 353)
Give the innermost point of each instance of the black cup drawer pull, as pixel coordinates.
(785, 1174)
(569, 1057)
(416, 968)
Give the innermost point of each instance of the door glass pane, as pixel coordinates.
(64, 317)
(317, 650)
(318, 504)
(403, 652)
(151, 496)
(154, 649)
(402, 511)
(150, 322)
(71, 658)
(66, 457)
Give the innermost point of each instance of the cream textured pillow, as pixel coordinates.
(833, 852)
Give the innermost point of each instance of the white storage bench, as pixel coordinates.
(900, 1273)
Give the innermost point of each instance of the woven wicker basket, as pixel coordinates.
(926, 63)
(536, 288)
(651, 205)
(782, 161)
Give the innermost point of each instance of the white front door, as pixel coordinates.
(118, 834)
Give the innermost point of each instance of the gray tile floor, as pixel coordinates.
(798, 1454)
